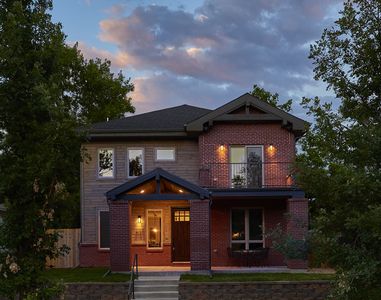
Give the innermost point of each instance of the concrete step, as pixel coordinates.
(157, 287)
(157, 295)
(156, 282)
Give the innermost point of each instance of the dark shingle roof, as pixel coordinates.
(169, 119)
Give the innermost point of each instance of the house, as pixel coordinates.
(191, 186)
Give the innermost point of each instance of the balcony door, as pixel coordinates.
(246, 166)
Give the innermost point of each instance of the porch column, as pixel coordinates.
(200, 235)
(297, 226)
(120, 241)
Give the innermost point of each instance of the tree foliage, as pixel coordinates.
(270, 98)
(341, 160)
(47, 91)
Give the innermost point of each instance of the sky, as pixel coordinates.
(202, 52)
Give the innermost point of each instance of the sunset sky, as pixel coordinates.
(202, 52)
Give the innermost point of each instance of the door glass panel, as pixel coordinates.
(254, 167)
(238, 224)
(237, 166)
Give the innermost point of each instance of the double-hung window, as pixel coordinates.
(154, 229)
(106, 163)
(247, 228)
(135, 159)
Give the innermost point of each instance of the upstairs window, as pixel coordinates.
(165, 154)
(247, 229)
(106, 163)
(135, 160)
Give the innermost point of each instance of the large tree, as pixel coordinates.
(341, 160)
(47, 91)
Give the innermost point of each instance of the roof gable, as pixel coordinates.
(248, 108)
(157, 184)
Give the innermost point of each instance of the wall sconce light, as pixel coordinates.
(139, 219)
(221, 147)
(271, 147)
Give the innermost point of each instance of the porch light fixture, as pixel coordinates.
(221, 147)
(271, 147)
(181, 191)
(139, 219)
(142, 191)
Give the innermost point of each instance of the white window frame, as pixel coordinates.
(99, 229)
(247, 241)
(161, 229)
(113, 163)
(247, 146)
(128, 161)
(165, 148)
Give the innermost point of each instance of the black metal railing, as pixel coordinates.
(134, 275)
(247, 175)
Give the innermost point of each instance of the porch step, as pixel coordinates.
(157, 287)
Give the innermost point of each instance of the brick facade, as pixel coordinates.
(120, 242)
(91, 256)
(200, 235)
(276, 159)
(297, 226)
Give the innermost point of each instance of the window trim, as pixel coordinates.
(161, 229)
(113, 163)
(128, 161)
(247, 146)
(165, 148)
(247, 241)
(99, 229)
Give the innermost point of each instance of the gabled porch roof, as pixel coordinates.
(157, 185)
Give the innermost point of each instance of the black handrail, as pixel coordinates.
(134, 275)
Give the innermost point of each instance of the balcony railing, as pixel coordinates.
(247, 175)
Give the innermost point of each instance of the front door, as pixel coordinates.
(180, 234)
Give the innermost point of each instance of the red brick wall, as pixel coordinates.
(120, 235)
(297, 226)
(200, 234)
(91, 256)
(274, 210)
(276, 169)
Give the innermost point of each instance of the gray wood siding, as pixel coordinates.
(93, 188)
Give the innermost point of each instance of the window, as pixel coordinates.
(246, 166)
(104, 230)
(154, 228)
(167, 154)
(247, 229)
(135, 160)
(105, 163)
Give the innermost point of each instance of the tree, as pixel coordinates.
(341, 159)
(47, 91)
(270, 98)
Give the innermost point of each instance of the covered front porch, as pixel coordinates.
(170, 222)
(162, 218)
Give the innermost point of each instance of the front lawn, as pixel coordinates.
(85, 275)
(235, 277)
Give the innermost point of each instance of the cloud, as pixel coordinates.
(222, 43)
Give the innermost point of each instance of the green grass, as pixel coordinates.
(85, 275)
(239, 277)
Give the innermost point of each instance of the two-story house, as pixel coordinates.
(188, 185)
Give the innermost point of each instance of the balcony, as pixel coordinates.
(247, 175)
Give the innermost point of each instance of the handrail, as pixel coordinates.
(134, 275)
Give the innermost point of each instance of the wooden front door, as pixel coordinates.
(180, 234)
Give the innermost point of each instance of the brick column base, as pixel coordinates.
(120, 242)
(200, 235)
(297, 226)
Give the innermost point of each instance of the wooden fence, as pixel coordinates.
(69, 237)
